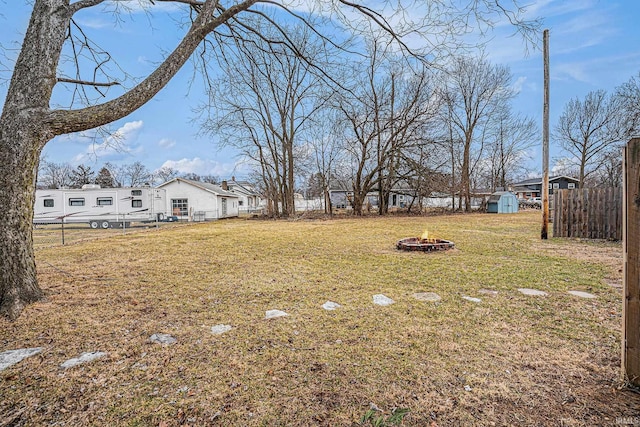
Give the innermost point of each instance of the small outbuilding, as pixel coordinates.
(199, 201)
(502, 202)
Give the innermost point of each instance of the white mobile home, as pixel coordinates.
(199, 201)
(100, 207)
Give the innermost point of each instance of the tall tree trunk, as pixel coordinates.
(18, 282)
(466, 179)
(27, 124)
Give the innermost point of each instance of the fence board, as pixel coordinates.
(631, 252)
(593, 213)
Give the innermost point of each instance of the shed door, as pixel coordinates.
(224, 207)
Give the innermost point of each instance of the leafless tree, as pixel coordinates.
(511, 136)
(474, 94)
(136, 175)
(385, 112)
(164, 174)
(54, 175)
(590, 129)
(628, 94)
(610, 172)
(53, 40)
(265, 102)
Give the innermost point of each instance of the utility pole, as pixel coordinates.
(545, 138)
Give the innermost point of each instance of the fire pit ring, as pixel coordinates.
(425, 245)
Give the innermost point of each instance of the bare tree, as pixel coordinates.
(54, 175)
(475, 92)
(265, 101)
(511, 137)
(590, 129)
(164, 174)
(136, 175)
(28, 122)
(628, 95)
(385, 112)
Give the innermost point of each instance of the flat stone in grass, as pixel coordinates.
(11, 357)
(330, 305)
(488, 292)
(163, 339)
(272, 314)
(581, 294)
(471, 299)
(83, 358)
(220, 329)
(532, 292)
(382, 300)
(427, 296)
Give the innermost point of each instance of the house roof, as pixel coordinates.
(243, 187)
(535, 181)
(211, 188)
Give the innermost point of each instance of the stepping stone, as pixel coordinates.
(272, 314)
(330, 305)
(11, 357)
(83, 358)
(427, 296)
(163, 339)
(382, 300)
(582, 294)
(471, 299)
(488, 292)
(533, 292)
(220, 329)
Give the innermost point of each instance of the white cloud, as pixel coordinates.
(202, 166)
(166, 143)
(117, 143)
(519, 83)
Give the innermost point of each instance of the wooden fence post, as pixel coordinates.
(631, 253)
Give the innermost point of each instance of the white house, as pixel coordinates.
(248, 198)
(199, 201)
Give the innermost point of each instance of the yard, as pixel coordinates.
(509, 359)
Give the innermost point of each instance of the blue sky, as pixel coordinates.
(593, 45)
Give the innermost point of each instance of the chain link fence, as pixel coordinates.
(51, 235)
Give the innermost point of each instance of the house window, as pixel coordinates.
(76, 202)
(556, 185)
(402, 197)
(571, 186)
(136, 203)
(48, 203)
(104, 201)
(180, 207)
(136, 192)
(240, 202)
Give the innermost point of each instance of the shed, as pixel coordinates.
(502, 202)
(199, 201)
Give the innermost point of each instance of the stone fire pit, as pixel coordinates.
(425, 245)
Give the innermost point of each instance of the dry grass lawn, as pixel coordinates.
(510, 360)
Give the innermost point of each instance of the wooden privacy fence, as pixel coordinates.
(592, 213)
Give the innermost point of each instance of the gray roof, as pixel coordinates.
(212, 188)
(534, 181)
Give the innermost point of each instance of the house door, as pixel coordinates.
(394, 200)
(224, 207)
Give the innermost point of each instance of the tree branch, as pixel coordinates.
(83, 4)
(87, 83)
(67, 121)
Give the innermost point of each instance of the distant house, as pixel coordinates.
(533, 187)
(248, 198)
(199, 201)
